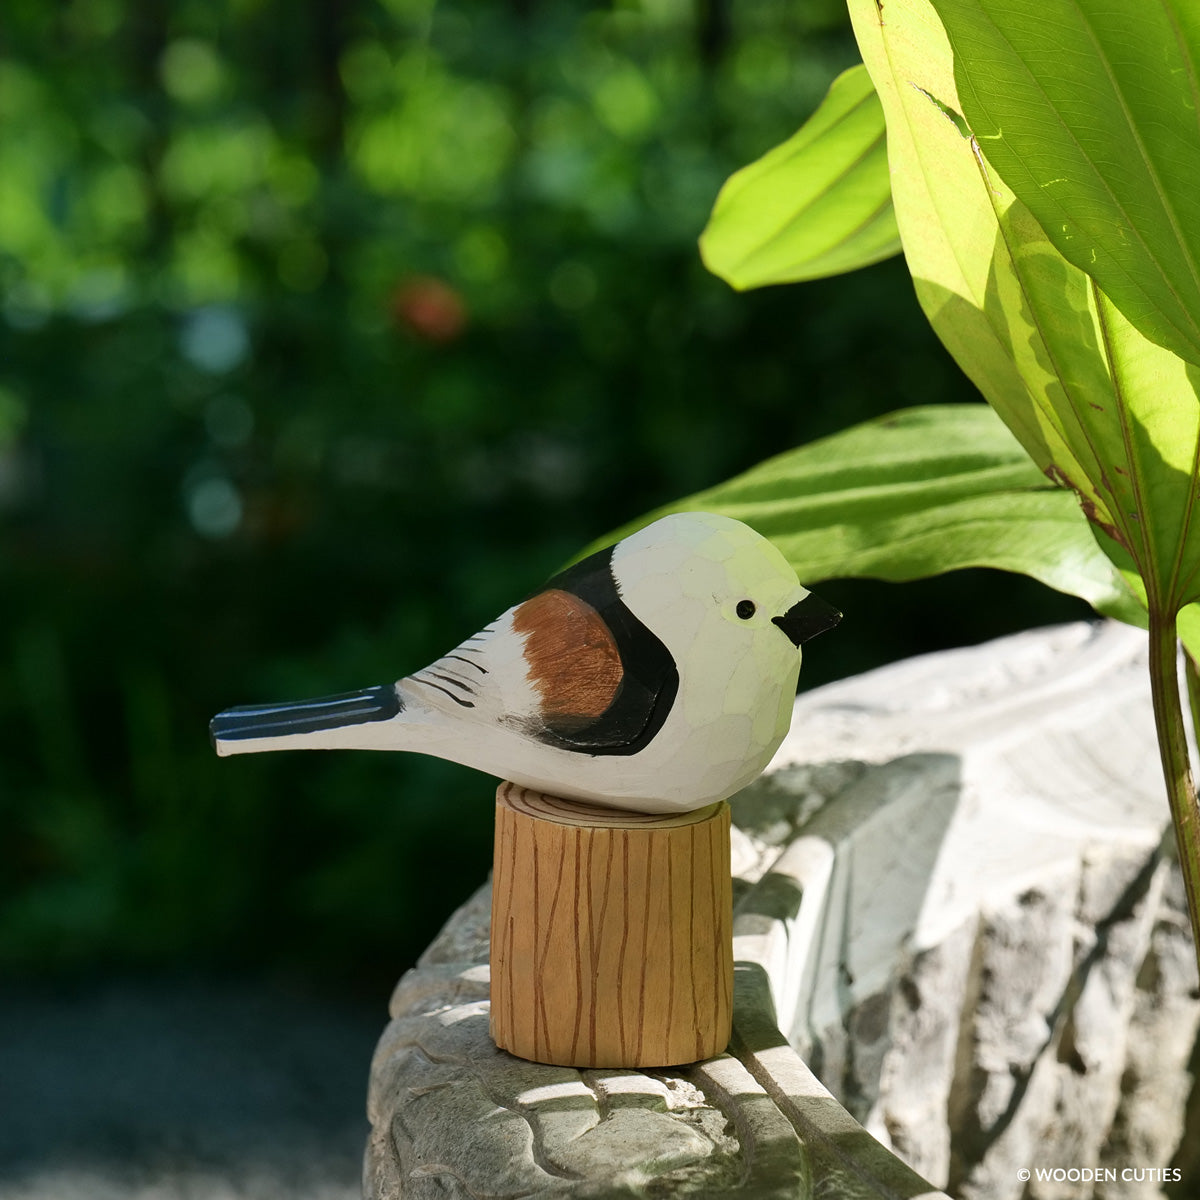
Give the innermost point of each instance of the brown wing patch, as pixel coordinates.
(571, 657)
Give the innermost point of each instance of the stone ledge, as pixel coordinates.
(954, 897)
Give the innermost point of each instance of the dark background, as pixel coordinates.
(328, 330)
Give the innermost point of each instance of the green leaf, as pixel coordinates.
(917, 493)
(820, 204)
(1189, 632)
(1102, 409)
(1090, 112)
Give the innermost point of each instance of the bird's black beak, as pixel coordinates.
(807, 618)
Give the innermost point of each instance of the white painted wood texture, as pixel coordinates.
(955, 904)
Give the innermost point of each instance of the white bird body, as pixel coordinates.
(657, 676)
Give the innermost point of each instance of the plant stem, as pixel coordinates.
(1173, 750)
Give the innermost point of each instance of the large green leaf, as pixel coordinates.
(1102, 409)
(917, 493)
(820, 204)
(1090, 111)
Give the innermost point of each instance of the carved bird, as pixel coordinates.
(657, 675)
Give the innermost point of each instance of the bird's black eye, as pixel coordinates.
(745, 609)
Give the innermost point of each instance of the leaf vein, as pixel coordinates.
(1131, 226)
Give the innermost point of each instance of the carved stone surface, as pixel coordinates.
(954, 898)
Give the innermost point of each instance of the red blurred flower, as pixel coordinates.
(429, 308)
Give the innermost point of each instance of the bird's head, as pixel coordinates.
(716, 591)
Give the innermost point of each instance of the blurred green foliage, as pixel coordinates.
(327, 330)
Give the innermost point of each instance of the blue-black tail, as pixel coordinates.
(305, 716)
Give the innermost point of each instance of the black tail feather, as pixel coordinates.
(306, 716)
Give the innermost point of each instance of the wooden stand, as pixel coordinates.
(611, 933)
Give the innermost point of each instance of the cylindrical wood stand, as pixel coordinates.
(611, 933)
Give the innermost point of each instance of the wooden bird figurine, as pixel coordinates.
(657, 675)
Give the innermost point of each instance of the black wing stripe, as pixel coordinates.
(458, 683)
(478, 666)
(457, 699)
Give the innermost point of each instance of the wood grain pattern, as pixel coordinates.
(611, 934)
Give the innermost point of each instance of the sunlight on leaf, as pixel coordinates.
(1101, 409)
(819, 204)
(1112, 180)
(919, 492)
